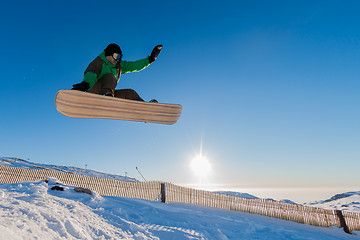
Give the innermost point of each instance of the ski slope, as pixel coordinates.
(32, 210)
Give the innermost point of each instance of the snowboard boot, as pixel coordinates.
(106, 92)
(128, 94)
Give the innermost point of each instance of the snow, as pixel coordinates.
(349, 201)
(17, 162)
(31, 210)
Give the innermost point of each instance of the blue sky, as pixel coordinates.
(270, 90)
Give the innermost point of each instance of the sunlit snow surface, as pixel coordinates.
(32, 210)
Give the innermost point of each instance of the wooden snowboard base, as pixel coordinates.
(77, 104)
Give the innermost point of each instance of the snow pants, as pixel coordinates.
(106, 85)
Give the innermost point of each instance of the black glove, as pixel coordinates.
(83, 86)
(155, 53)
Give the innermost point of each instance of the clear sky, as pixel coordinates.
(269, 89)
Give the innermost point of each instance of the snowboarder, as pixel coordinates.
(103, 74)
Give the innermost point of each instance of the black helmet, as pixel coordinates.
(111, 49)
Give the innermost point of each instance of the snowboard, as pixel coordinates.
(77, 104)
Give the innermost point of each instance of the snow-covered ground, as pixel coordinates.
(32, 210)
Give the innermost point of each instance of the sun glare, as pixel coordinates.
(200, 166)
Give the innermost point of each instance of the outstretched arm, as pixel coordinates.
(135, 66)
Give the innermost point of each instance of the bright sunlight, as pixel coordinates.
(200, 166)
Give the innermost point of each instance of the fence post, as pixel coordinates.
(342, 221)
(163, 193)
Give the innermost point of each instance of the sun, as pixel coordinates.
(200, 166)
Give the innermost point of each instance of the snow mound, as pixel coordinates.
(33, 211)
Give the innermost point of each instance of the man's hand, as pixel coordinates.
(155, 53)
(83, 86)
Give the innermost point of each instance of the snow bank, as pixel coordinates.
(33, 211)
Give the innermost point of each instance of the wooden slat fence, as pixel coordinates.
(276, 209)
(270, 208)
(103, 186)
(167, 192)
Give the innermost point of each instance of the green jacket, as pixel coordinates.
(101, 66)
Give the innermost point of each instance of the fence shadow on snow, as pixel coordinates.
(168, 193)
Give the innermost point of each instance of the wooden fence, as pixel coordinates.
(103, 186)
(287, 211)
(167, 192)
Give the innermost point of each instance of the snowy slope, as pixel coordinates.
(33, 211)
(17, 162)
(346, 201)
(349, 201)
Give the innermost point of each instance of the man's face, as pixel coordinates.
(114, 59)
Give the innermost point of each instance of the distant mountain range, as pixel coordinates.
(349, 201)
